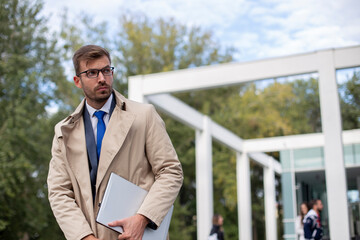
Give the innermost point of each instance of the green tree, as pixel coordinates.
(145, 46)
(304, 110)
(28, 67)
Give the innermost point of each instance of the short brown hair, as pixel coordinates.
(216, 219)
(313, 202)
(88, 52)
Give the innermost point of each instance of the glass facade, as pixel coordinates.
(353, 183)
(303, 179)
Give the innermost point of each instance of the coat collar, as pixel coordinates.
(77, 114)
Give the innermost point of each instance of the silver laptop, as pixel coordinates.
(123, 199)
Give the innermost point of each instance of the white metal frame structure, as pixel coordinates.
(155, 88)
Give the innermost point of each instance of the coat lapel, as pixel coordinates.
(120, 124)
(76, 153)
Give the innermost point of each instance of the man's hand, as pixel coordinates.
(133, 227)
(90, 237)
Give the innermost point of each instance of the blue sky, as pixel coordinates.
(257, 29)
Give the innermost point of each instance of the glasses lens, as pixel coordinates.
(106, 71)
(92, 73)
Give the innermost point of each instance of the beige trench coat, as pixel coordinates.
(135, 146)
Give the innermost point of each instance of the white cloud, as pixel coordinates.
(259, 29)
(201, 12)
(288, 27)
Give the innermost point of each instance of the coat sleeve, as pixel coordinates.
(61, 196)
(165, 166)
(308, 228)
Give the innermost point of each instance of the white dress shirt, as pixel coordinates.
(94, 119)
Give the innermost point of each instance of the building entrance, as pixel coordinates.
(311, 185)
(353, 182)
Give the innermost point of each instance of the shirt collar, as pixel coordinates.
(105, 108)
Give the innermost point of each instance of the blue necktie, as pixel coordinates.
(100, 131)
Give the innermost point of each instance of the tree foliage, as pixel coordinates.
(27, 70)
(144, 46)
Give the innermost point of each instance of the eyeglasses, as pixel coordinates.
(94, 73)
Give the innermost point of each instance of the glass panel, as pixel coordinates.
(357, 153)
(349, 155)
(285, 160)
(287, 190)
(289, 228)
(308, 158)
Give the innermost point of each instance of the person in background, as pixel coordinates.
(312, 222)
(217, 228)
(299, 221)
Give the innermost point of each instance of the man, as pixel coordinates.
(312, 222)
(109, 133)
(217, 231)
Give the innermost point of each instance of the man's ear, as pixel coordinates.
(77, 81)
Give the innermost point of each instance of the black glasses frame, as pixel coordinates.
(98, 71)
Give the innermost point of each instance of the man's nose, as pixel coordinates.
(101, 77)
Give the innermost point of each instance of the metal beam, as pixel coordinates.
(235, 73)
(333, 148)
(243, 196)
(265, 160)
(270, 202)
(204, 180)
(178, 110)
(296, 141)
(346, 57)
(191, 117)
(136, 91)
(226, 137)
